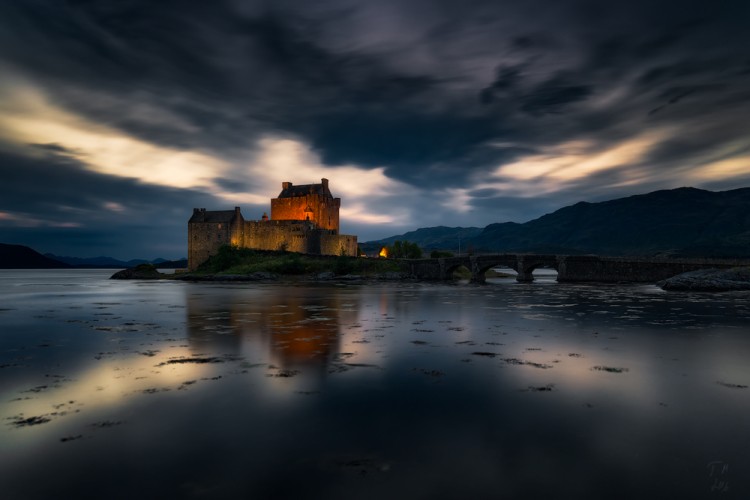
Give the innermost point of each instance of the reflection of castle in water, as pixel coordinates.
(289, 327)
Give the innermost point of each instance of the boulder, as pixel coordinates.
(709, 280)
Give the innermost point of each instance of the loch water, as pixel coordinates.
(134, 389)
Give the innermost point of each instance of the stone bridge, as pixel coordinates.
(570, 268)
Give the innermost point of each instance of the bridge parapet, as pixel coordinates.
(582, 268)
(570, 268)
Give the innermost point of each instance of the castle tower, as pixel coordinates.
(209, 230)
(307, 202)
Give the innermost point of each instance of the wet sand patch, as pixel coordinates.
(71, 438)
(284, 374)
(516, 361)
(154, 390)
(106, 424)
(730, 385)
(542, 388)
(610, 369)
(198, 360)
(20, 421)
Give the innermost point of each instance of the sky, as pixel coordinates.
(118, 117)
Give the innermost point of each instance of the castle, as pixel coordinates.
(304, 219)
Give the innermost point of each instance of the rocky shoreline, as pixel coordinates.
(148, 272)
(705, 280)
(709, 280)
(140, 272)
(267, 276)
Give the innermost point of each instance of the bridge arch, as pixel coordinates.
(523, 264)
(453, 267)
(527, 265)
(482, 265)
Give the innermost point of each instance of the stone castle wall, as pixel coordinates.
(325, 212)
(338, 244)
(297, 236)
(205, 239)
(292, 236)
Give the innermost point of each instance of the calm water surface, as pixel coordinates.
(389, 390)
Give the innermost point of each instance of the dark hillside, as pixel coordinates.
(678, 222)
(684, 222)
(21, 257)
(429, 238)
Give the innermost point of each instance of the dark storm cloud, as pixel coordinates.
(225, 77)
(549, 97)
(228, 78)
(553, 96)
(508, 79)
(233, 185)
(439, 93)
(54, 204)
(55, 148)
(407, 144)
(123, 65)
(43, 183)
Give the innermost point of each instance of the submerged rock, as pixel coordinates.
(139, 272)
(710, 280)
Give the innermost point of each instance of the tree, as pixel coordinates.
(413, 251)
(404, 250)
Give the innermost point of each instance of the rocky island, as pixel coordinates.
(242, 264)
(139, 272)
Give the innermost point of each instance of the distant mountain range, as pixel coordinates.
(109, 262)
(23, 257)
(434, 237)
(684, 222)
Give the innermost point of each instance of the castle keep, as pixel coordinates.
(304, 219)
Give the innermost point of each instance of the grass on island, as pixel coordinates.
(234, 260)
